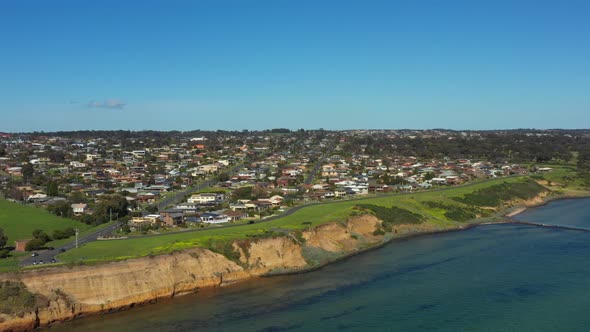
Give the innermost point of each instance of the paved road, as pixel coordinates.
(47, 255)
(318, 165)
(179, 196)
(297, 208)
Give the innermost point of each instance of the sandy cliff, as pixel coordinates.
(64, 293)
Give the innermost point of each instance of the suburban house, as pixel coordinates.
(207, 198)
(235, 215)
(149, 220)
(79, 209)
(172, 217)
(214, 218)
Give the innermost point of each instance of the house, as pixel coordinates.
(79, 209)
(439, 181)
(214, 218)
(206, 198)
(235, 215)
(172, 217)
(139, 222)
(211, 168)
(284, 181)
(36, 197)
(188, 207)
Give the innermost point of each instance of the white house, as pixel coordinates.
(206, 198)
(213, 218)
(79, 208)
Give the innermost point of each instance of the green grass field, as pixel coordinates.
(19, 221)
(306, 217)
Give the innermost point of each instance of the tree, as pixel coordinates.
(52, 189)
(4, 253)
(28, 172)
(223, 176)
(63, 234)
(34, 244)
(3, 238)
(62, 209)
(39, 234)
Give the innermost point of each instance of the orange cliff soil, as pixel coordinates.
(336, 237)
(69, 292)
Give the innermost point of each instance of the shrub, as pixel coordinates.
(34, 244)
(497, 194)
(393, 215)
(379, 231)
(15, 298)
(63, 234)
(4, 253)
(299, 236)
(454, 212)
(224, 248)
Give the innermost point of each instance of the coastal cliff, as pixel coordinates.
(64, 293)
(55, 294)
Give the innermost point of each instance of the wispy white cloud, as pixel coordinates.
(109, 103)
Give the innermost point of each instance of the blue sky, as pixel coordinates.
(182, 65)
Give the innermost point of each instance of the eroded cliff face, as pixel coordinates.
(65, 293)
(336, 237)
(92, 289)
(265, 255)
(68, 292)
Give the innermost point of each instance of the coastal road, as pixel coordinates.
(297, 208)
(47, 255)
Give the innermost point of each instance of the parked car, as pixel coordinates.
(35, 254)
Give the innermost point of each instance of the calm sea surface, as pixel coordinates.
(489, 278)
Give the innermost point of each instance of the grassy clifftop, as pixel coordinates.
(439, 209)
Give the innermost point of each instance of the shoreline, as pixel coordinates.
(503, 218)
(506, 219)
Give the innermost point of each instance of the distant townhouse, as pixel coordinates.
(207, 198)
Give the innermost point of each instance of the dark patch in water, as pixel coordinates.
(524, 291)
(342, 314)
(425, 307)
(346, 326)
(519, 292)
(281, 328)
(289, 303)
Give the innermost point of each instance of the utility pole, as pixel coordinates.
(77, 232)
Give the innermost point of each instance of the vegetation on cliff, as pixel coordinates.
(15, 299)
(495, 195)
(392, 215)
(449, 210)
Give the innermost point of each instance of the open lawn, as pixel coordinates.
(306, 217)
(10, 264)
(19, 221)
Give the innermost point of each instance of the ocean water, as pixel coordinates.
(505, 277)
